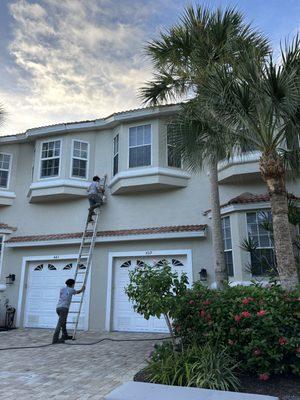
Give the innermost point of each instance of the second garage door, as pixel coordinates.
(124, 316)
(45, 279)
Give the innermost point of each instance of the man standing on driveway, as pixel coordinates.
(62, 310)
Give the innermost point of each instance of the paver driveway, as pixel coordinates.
(65, 372)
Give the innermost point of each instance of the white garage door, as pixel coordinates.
(45, 279)
(124, 316)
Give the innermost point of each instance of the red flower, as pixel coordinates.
(177, 328)
(282, 340)
(257, 352)
(206, 302)
(191, 302)
(246, 314)
(263, 377)
(202, 313)
(261, 313)
(237, 318)
(247, 300)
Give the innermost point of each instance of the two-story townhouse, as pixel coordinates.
(155, 211)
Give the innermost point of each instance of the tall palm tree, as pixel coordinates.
(262, 107)
(182, 57)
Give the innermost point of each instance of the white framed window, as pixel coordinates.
(173, 155)
(116, 155)
(80, 154)
(50, 159)
(5, 165)
(263, 256)
(226, 231)
(140, 139)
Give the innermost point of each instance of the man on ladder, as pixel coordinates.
(95, 196)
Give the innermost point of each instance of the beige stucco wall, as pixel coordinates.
(201, 258)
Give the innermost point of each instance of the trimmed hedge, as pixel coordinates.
(260, 326)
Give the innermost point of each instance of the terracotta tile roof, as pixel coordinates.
(247, 197)
(94, 120)
(5, 226)
(122, 232)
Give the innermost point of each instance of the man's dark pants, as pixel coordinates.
(61, 324)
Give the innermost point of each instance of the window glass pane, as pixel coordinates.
(3, 179)
(79, 168)
(147, 134)
(50, 167)
(251, 218)
(140, 136)
(132, 137)
(139, 156)
(229, 263)
(116, 164)
(116, 144)
(174, 158)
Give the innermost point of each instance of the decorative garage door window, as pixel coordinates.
(39, 267)
(51, 267)
(68, 266)
(82, 266)
(176, 263)
(126, 264)
(162, 262)
(140, 263)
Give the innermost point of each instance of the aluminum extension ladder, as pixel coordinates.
(84, 261)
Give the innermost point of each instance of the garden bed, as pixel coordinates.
(284, 387)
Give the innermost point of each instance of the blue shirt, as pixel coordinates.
(65, 297)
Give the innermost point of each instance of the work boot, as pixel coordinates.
(68, 337)
(58, 341)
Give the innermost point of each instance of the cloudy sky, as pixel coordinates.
(67, 60)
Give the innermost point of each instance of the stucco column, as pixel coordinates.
(241, 258)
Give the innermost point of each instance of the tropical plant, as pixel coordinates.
(182, 58)
(154, 289)
(207, 366)
(259, 325)
(261, 107)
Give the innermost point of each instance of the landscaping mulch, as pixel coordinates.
(283, 387)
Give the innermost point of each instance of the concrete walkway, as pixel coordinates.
(65, 372)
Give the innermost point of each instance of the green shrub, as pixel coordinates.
(203, 367)
(259, 326)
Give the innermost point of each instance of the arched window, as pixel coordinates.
(39, 267)
(126, 264)
(68, 266)
(176, 263)
(51, 267)
(162, 262)
(140, 263)
(81, 266)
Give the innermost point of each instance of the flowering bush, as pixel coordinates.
(260, 326)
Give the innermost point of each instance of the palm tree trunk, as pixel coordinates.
(217, 238)
(273, 172)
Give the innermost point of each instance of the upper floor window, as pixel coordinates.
(80, 159)
(50, 159)
(262, 255)
(140, 146)
(226, 230)
(173, 155)
(5, 160)
(116, 155)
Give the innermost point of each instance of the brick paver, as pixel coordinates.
(63, 372)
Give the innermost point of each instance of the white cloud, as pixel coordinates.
(73, 60)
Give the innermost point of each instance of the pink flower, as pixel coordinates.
(191, 302)
(150, 354)
(263, 377)
(282, 341)
(208, 317)
(202, 313)
(261, 313)
(206, 302)
(177, 328)
(257, 352)
(246, 314)
(298, 350)
(247, 300)
(231, 342)
(237, 318)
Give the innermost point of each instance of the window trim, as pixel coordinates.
(226, 250)
(9, 170)
(117, 154)
(2, 251)
(87, 160)
(268, 209)
(167, 156)
(151, 144)
(41, 159)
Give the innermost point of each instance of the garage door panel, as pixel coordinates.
(124, 316)
(43, 287)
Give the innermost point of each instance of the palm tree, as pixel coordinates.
(261, 107)
(182, 57)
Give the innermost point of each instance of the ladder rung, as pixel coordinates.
(73, 312)
(71, 322)
(76, 301)
(81, 272)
